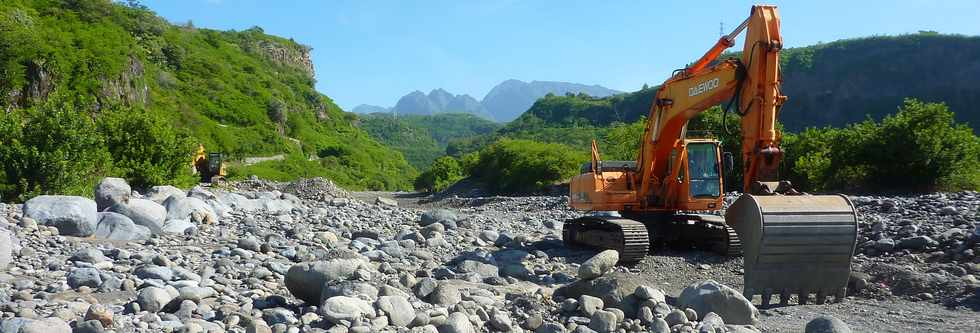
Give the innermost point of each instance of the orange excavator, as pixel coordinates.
(793, 243)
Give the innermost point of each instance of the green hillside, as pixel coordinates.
(832, 84)
(423, 139)
(244, 93)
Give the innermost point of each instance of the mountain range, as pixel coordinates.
(505, 102)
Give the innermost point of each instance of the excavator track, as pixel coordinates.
(628, 237)
(731, 245)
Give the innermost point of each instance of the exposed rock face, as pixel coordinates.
(129, 87)
(40, 83)
(295, 57)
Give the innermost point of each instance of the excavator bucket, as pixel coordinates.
(795, 244)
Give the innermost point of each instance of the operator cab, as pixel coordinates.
(704, 169)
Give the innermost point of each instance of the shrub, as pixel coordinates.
(444, 172)
(920, 148)
(524, 165)
(51, 148)
(146, 149)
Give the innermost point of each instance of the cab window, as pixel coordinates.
(703, 168)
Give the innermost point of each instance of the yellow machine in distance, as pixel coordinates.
(209, 166)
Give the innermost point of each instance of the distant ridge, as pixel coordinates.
(505, 102)
(511, 98)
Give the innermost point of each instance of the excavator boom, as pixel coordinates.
(794, 244)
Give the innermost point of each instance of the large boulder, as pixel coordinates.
(338, 308)
(827, 324)
(160, 194)
(307, 280)
(143, 212)
(399, 310)
(275, 206)
(711, 296)
(190, 209)
(445, 294)
(73, 216)
(457, 322)
(615, 290)
(221, 209)
(154, 299)
(8, 246)
(603, 321)
(84, 277)
(181, 227)
(598, 264)
(917, 243)
(445, 217)
(111, 190)
(24, 325)
(238, 201)
(115, 226)
(201, 193)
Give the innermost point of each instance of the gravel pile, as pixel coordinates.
(921, 248)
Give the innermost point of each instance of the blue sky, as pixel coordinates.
(373, 52)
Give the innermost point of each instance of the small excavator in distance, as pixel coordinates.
(793, 243)
(209, 166)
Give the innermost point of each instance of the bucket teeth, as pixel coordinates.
(803, 296)
(821, 297)
(766, 297)
(840, 294)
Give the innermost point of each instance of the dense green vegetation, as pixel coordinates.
(520, 166)
(243, 93)
(423, 139)
(920, 148)
(444, 172)
(54, 148)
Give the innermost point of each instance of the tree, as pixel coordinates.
(49, 149)
(920, 148)
(444, 172)
(520, 166)
(145, 148)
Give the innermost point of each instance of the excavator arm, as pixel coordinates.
(751, 83)
(792, 243)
